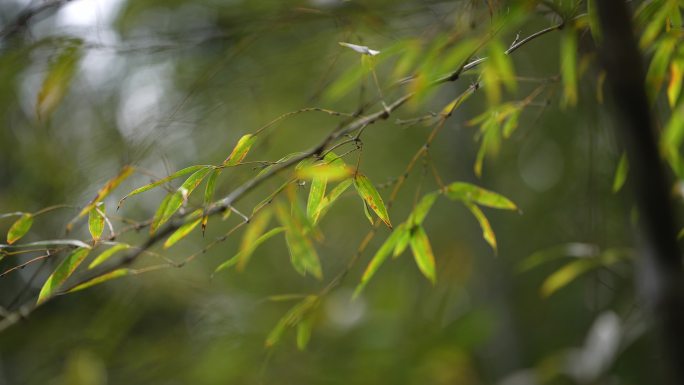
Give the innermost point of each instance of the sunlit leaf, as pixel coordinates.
(96, 221)
(422, 253)
(487, 232)
(371, 196)
(62, 273)
(240, 151)
(244, 255)
(19, 228)
(182, 232)
(568, 60)
(380, 256)
(621, 173)
(328, 171)
(467, 192)
(105, 255)
(176, 200)
(103, 278)
(160, 182)
(57, 80)
(316, 195)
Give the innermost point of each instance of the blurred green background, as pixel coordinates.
(163, 84)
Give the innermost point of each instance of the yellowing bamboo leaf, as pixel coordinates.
(169, 178)
(422, 253)
(182, 232)
(62, 273)
(371, 196)
(674, 87)
(566, 274)
(331, 172)
(19, 228)
(105, 255)
(176, 200)
(240, 151)
(621, 173)
(103, 278)
(96, 221)
(468, 192)
(487, 232)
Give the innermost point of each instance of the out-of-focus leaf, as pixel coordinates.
(574, 250)
(250, 239)
(406, 62)
(568, 60)
(454, 104)
(103, 193)
(621, 173)
(56, 83)
(19, 228)
(674, 87)
(654, 27)
(346, 82)
(380, 256)
(290, 319)
(182, 231)
(594, 21)
(244, 255)
(96, 221)
(303, 255)
(403, 240)
(422, 253)
(62, 273)
(169, 178)
(371, 196)
(329, 171)
(209, 194)
(240, 151)
(468, 192)
(487, 232)
(54, 242)
(672, 137)
(421, 210)
(176, 200)
(566, 274)
(105, 255)
(304, 332)
(329, 200)
(362, 49)
(658, 67)
(103, 278)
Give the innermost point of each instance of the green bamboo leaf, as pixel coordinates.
(316, 195)
(367, 213)
(658, 67)
(380, 256)
(58, 79)
(329, 200)
(96, 221)
(573, 250)
(245, 254)
(422, 253)
(303, 255)
(468, 192)
(209, 194)
(371, 196)
(568, 60)
(105, 255)
(176, 200)
(252, 237)
(330, 172)
(156, 219)
(620, 173)
(103, 278)
(182, 232)
(102, 193)
(565, 275)
(672, 138)
(19, 228)
(594, 24)
(674, 87)
(240, 151)
(304, 332)
(160, 182)
(62, 273)
(421, 210)
(487, 232)
(403, 240)
(290, 319)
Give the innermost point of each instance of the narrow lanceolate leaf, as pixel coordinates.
(105, 255)
(160, 182)
(182, 232)
(487, 232)
(304, 332)
(329, 200)
(371, 196)
(380, 256)
(621, 173)
(243, 256)
(103, 193)
(96, 221)
(63, 271)
(254, 230)
(316, 195)
(403, 240)
(568, 62)
(240, 151)
(674, 87)
(471, 193)
(422, 208)
(19, 228)
(57, 80)
(330, 172)
(98, 280)
(422, 253)
(566, 274)
(303, 255)
(291, 318)
(176, 200)
(209, 194)
(156, 220)
(593, 20)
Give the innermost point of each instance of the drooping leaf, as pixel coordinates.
(468, 192)
(329, 200)
(487, 232)
(103, 278)
(568, 60)
(304, 332)
(62, 273)
(316, 195)
(290, 319)
(421, 209)
(422, 253)
(380, 256)
(58, 79)
(371, 196)
(658, 67)
(244, 255)
(176, 200)
(105, 255)
(240, 151)
(103, 193)
(403, 240)
(19, 228)
(182, 231)
(303, 255)
(250, 240)
(367, 213)
(160, 182)
(156, 220)
(621, 173)
(672, 138)
(96, 221)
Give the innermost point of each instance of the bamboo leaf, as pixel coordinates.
(102, 193)
(487, 232)
(304, 332)
(422, 253)
(330, 172)
(468, 192)
(160, 182)
(105, 255)
(568, 60)
(290, 319)
(182, 232)
(57, 80)
(371, 196)
(573, 250)
(403, 240)
(240, 151)
(621, 173)
(316, 195)
(62, 273)
(244, 255)
(103, 278)
(209, 194)
(380, 256)
(303, 255)
(19, 228)
(422, 208)
(176, 200)
(674, 87)
(658, 67)
(96, 221)
(329, 200)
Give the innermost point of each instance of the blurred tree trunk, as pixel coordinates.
(659, 266)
